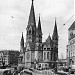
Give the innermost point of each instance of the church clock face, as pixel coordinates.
(28, 56)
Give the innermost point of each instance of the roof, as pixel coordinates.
(39, 24)
(72, 26)
(31, 20)
(55, 32)
(49, 41)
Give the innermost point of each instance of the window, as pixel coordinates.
(29, 31)
(67, 50)
(48, 55)
(73, 53)
(29, 37)
(69, 53)
(48, 48)
(39, 65)
(44, 48)
(40, 36)
(46, 65)
(39, 40)
(33, 32)
(44, 55)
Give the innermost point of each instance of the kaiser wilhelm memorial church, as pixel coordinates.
(34, 53)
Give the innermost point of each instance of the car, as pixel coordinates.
(5, 72)
(26, 72)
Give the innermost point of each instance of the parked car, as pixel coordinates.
(30, 71)
(5, 72)
(26, 72)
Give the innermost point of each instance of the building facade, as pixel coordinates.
(36, 53)
(9, 57)
(71, 45)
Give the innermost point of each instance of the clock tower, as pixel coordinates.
(30, 39)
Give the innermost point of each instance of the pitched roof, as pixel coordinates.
(72, 26)
(22, 40)
(49, 41)
(39, 24)
(55, 32)
(31, 20)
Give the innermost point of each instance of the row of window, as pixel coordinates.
(70, 54)
(30, 32)
(47, 48)
(48, 55)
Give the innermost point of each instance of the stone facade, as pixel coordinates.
(71, 45)
(35, 52)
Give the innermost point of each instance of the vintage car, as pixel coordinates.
(26, 72)
(5, 72)
(30, 72)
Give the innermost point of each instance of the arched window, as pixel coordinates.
(44, 55)
(48, 55)
(33, 32)
(29, 31)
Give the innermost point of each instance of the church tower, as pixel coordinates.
(55, 42)
(30, 39)
(21, 58)
(22, 44)
(38, 52)
(31, 27)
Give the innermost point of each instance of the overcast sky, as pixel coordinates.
(12, 28)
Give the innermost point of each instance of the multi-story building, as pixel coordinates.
(36, 53)
(71, 45)
(9, 57)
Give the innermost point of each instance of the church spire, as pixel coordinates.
(55, 32)
(31, 20)
(39, 24)
(22, 40)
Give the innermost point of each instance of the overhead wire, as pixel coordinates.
(65, 23)
(42, 21)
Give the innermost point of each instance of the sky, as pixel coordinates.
(11, 28)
